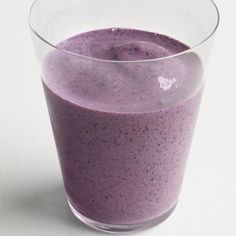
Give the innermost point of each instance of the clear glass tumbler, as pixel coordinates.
(123, 112)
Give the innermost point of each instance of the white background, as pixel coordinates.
(32, 200)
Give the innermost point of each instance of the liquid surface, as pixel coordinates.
(122, 87)
(123, 130)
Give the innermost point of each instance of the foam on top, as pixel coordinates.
(122, 87)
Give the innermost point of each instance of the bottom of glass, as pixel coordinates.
(119, 229)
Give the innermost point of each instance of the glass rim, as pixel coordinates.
(114, 61)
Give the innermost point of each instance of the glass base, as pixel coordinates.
(119, 229)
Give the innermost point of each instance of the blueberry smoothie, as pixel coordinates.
(123, 121)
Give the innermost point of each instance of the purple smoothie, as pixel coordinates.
(123, 130)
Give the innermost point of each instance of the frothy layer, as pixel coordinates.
(122, 86)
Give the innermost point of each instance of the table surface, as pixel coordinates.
(32, 199)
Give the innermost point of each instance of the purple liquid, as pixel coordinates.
(123, 130)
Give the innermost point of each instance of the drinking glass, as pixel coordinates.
(123, 128)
